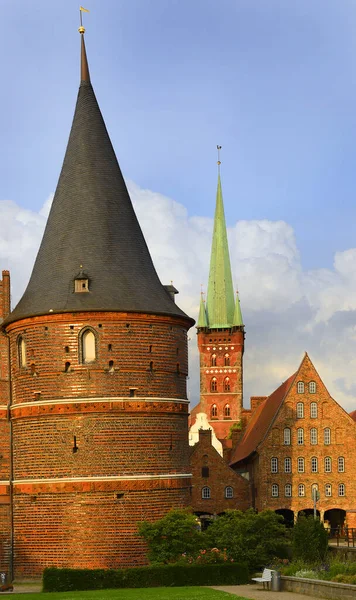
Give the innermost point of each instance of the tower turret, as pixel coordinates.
(98, 366)
(220, 335)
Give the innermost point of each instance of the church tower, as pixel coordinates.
(221, 335)
(99, 362)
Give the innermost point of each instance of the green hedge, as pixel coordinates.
(64, 580)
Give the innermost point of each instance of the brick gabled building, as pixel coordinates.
(94, 423)
(300, 439)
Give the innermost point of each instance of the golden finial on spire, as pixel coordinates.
(219, 161)
(81, 10)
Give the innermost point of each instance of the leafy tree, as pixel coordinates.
(309, 540)
(167, 539)
(255, 538)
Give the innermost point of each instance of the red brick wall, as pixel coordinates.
(68, 526)
(5, 518)
(343, 441)
(131, 338)
(137, 445)
(220, 476)
(219, 343)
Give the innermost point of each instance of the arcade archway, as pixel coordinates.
(335, 518)
(288, 516)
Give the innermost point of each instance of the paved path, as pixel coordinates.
(256, 592)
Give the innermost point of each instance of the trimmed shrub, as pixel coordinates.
(309, 540)
(65, 580)
(170, 537)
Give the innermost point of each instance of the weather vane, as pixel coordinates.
(81, 10)
(219, 161)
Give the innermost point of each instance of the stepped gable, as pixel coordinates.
(261, 421)
(92, 228)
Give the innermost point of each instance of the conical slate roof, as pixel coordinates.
(92, 228)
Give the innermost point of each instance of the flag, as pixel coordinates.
(83, 9)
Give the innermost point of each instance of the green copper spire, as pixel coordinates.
(202, 320)
(238, 322)
(220, 303)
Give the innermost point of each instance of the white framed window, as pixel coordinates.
(301, 490)
(328, 490)
(313, 410)
(312, 387)
(288, 490)
(275, 490)
(314, 464)
(300, 410)
(21, 347)
(327, 436)
(300, 436)
(327, 464)
(313, 436)
(286, 436)
(341, 464)
(342, 491)
(229, 492)
(227, 410)
(300, 387)
(301, 465)
(274, 465)
(88, 346)
(214, 411)
(205, 493)
(288, 465)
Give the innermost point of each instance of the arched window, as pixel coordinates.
(301, 490)
(213, 360)
(286, 436)
(227, 360)
(229, 492)
(88, 346)
(205, 493)
(300, 387)
(288, 465)
(342, 491)
(328, 490)
(275, 490)
(214, 385)
(300, 463)
(274, 465)
(313, 436)
(327, 464)
(214, 411)
(288, 490)
(341, 464)
(21, 345)
(313, 410)
(327, 436)
(300, 410)
(312, 387)
(227, 384)
(314, 464)
(227, 410)
(300, 436)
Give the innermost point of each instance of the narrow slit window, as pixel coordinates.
(88, 346)
(22, 352)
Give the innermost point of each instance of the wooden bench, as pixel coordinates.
(265, 578)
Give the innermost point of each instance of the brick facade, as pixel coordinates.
(221, 360)
(96, 447)
(210, 470)
(5, 506)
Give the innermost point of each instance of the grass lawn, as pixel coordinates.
(176, 593)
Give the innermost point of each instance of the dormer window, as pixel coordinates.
(81, 282)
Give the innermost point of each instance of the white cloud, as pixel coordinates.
(286, 310)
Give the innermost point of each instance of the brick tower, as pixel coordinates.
(220, 336)
(98, 367)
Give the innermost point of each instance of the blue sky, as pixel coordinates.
(272, 81)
